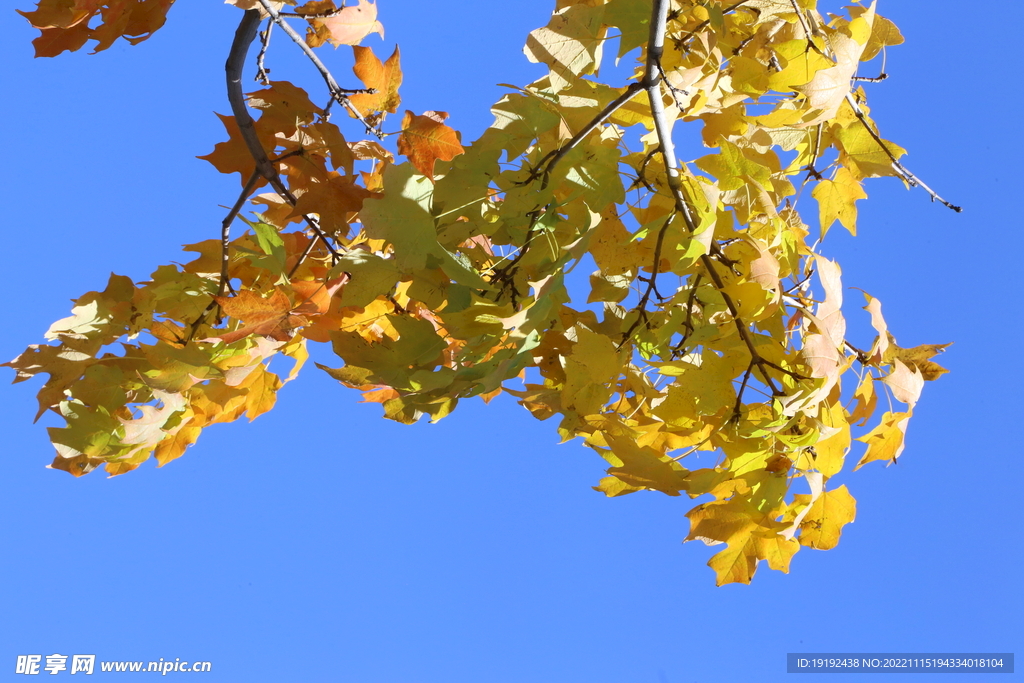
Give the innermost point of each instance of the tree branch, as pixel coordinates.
(551, 159)
(225, 233)
(244, 36)
(641, 306)
(902, 170)
(652, 83)
(337, 92)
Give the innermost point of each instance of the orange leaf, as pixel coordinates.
(314, 297)
(382, 77)
(425, 139)
(52, 41)
(284, 107)
(61, 13)
(270, 317)
(333, 201)
(234, 156)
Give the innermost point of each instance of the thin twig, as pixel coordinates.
(551, 159)
(862, 356)
(688, 323)
(324, 15)
(865, 79)
(225, 233)
(807, 29)
(641, 306)
(735, 417)
(337, 92)
(261, 70)
(305, 254)
(506, 274)
(902, 170)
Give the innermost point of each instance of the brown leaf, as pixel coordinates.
(333, 201)
(919, 356)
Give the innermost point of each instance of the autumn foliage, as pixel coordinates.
(711, 320)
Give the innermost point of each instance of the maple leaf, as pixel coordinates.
(836, 199)
(347, 26)
(570, 44)
(61, 13)
(315, 297)
(385, 78)
(906, 384)
(828, 89)
(233, 156)
(826, 517)
(64, 24)
(149, 428)
(333, 200)
(269, 316)
(426, 138)
(920, 358)
(284, 107)
(886, 441)
(644, 467)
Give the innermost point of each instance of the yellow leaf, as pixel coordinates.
(261, 391)
(613, 487)
(918, 356)
(831, 451)
(645, 467)
(826, 518)
(862, 154)
(865, 398)
(776, 549)
(570, 44)
(885, 442)
(836, 199)
(738, 562)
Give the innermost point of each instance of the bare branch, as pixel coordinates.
(902, 170)
(261, 70)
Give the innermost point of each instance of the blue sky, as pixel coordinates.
(323, 543)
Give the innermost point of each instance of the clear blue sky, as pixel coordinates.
(323, 543)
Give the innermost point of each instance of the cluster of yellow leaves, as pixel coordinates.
(719, 335)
